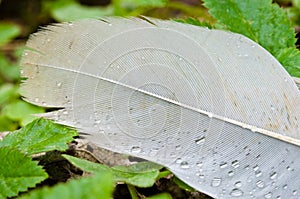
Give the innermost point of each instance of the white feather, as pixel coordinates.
(213, 106)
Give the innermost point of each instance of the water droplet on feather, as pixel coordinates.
(136, 149)
(236, 192)
(184, 165)
(216, 182)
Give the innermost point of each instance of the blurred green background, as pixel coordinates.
(20, 18)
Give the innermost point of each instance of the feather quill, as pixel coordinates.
(214, 107)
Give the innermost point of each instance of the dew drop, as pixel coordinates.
(235, 164)
(260, 184)
(184, 165)
(199, 164)
(180, 59)
(273, 175)
(223, 165)
(258, 173)
(36, 99)
(201, 176)
(200, 140)
(285, 186)
(109, 24)
(216, 182)
(65, 112)
(136, 149)
(236, 192)
(178, 147)
(230, 173)
(153, 152)
(294, 192)
(238, 184)
(59, 84)
(255, 168)
(178, 160)
(268, 195)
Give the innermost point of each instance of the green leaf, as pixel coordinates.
(8, 70)
(194, 21)
(161, 196)
(290, 58)
(18, 172)
(99, 186)
(144, 3)
(182, 185)
(7, 92)
(70, 10)
(296, 3)
(261, 21)
(7, 124)
(8, 31)
(141, 174)
(87, 165)
(39, 136)
(22, 111)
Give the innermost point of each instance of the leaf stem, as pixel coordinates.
(132, 191)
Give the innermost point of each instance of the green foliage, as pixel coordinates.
(144, 3)
(183, 185)
(9, 70)
(87, 165)
(100, 185)
(21, 111)
(62, 10)
(18, 172)
(141, 174)
(161, 196)
(264, 23)
(8, 31)
(13, 111)
(7, 91)
(294, 12)
(39, 136)
(194, 21)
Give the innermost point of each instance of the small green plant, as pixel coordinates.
(14, 111)
(17, 170)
